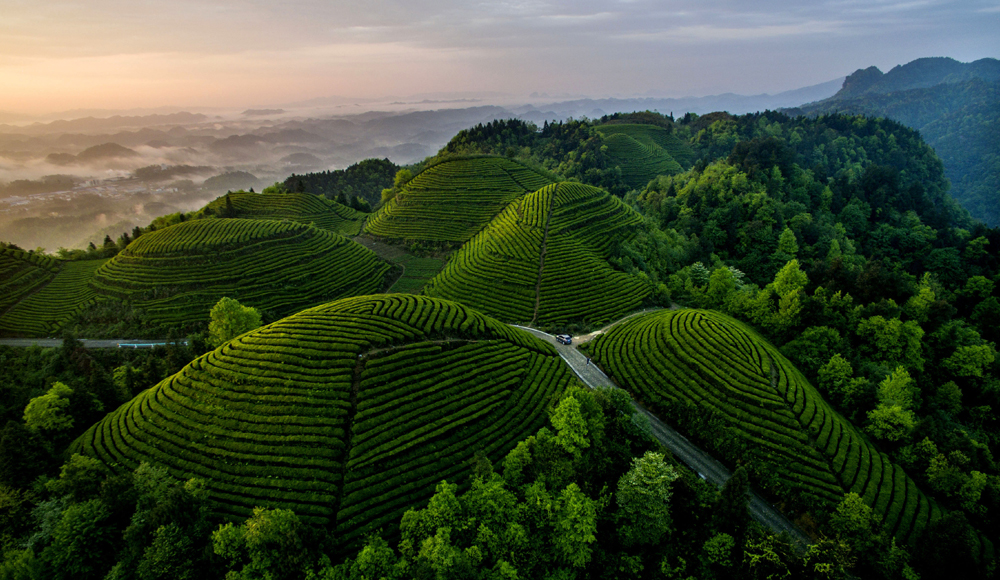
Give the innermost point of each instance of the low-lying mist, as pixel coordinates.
(73, 221)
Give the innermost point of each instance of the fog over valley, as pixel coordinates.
(69, 181)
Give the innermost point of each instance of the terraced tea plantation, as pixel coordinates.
(416, 273)
(178, 273)
(710, 360)
(348, 413)
(22, 273)
(454, 199)
(44, 311)
(544, 260)
(639, 163)
(653, 137)
(304, 208)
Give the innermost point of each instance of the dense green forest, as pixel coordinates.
(836, 239)
(956, 108)
(828, 250)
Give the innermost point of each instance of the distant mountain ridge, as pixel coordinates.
(729, 102)
(102, 152)
(105, 124)
(918, 74)
(954, 105)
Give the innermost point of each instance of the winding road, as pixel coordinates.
(701, 462)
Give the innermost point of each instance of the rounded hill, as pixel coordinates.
(682, 362)
(304, 208)
(178, 273)
(22, 273)
(639, 163)
(452, 200)
(348, 413)
(653, 136)
(545, 259)
(643, 152)
(48, 307)
(105, 151)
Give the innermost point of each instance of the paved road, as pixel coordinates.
(699, 461)
(87, 342)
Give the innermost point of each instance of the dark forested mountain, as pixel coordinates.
(956, 108)
(918, 74)
(365, 179)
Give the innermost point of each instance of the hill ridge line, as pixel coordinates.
(541, 259)
(359, 369)
(515, 180)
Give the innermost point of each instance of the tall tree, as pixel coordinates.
(231, 319)
(732, 513)
(644, 500)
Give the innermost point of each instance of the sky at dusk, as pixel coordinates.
(59, 55)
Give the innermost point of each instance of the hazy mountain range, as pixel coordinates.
(180, 150)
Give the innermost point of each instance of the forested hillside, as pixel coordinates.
(579, 150)
(956, 108)
(835, 238)
(365, 180)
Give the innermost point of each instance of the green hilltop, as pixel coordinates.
(21, 273)
(170, 277)
(544, 260)
(40, 294)
(453, 199)
(348, 413)
(304, 208)
(45, 311)
(696, 361)
(644, 152)
(617, 153)
(365, 180)
(176, 274)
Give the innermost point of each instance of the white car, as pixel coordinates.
(564, 338)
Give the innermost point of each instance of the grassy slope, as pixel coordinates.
(652, 135)
(44, 311)
(21, 274)
(416, 273)
(639, 163)
(645, 151)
